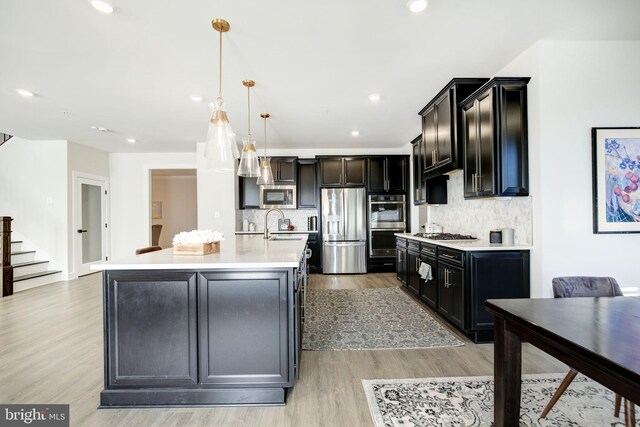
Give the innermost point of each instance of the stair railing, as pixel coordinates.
(4, 138)
(6, 275)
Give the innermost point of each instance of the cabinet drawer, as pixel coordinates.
(413, 246)
(401, 243)
(451, 255)
(428, 250)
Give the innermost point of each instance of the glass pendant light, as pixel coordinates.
(266, 175)
(249, 166)
(221, 140)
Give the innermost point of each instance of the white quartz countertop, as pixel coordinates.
(468, 245)
(235, 252)
(277, 232)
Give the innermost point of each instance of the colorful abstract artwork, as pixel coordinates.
(616, 159)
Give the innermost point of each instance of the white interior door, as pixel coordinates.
(91, 223)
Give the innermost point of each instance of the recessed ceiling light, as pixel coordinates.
(102, 6)
(374, 97)
(355, 133)
(416, 6)
(131, 140)
(100, 129)
(196, 98)
(24, 92)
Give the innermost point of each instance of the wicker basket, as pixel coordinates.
(196, 248)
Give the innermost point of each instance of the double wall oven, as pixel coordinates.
(387, 216)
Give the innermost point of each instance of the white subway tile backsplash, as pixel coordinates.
(298, 218)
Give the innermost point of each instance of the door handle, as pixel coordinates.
(82, 231)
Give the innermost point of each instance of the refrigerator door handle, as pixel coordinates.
(333, 244)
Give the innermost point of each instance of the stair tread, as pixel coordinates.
(34, 275)
(25, 264)
(22, 252)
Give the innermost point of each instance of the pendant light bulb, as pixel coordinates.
(266, 174)
(221, 140)
(249, 166)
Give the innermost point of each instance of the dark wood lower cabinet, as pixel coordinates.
(462, 281)
(207, 337)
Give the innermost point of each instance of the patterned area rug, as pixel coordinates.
(468, 401)
(364, 319)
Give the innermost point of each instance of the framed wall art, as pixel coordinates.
(616, 177)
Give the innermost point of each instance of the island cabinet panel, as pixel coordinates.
(152, 329)
(243, 333)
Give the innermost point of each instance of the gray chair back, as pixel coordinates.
(584, 286)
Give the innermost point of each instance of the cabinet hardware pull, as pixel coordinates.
(447, 256)
(479, 184)
(474, 185)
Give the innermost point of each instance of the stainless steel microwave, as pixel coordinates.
(278, 196)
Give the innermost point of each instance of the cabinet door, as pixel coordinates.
(429, 139)
(455, 278)
(413, 279)
(470, 123)
(307, 184)
(250, 305)
(396, 174)
(152, 329)
(401, 265)
(377, 182)
(249, 196)
(419, 195)
(355, 172)
(331, 172)
(429, 288)
(514, 167)
(444, 134)
(444, 293)
(286, 168)
(485, 175)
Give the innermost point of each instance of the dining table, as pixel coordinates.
(598, 337)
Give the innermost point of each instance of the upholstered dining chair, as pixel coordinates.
(584, 286)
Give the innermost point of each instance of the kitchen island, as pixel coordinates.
(218, 329)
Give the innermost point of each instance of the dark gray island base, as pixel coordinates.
(201, 337)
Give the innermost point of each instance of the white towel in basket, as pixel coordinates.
(425, 271)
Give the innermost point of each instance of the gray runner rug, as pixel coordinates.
(468, 401)
(364, 319)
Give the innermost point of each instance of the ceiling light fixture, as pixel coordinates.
(417, 6)
(131, 140)
(249, 166)
(266, 174)
(355, 133)
(25, 93)
(221, 141)
(196, 98)
(374, 97)
(102, 6)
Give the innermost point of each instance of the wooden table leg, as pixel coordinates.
(507, 363)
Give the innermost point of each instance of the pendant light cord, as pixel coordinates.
(249, 110)
(220, 70)
(265, 138)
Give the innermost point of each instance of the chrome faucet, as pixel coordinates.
(266, 216)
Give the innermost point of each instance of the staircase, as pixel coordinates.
(28, 271)
(4, 138)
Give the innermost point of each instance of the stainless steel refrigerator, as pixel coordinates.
(344, 228)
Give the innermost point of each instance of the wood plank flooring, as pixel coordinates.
(51, 352)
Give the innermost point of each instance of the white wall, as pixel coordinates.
(575, 86)
(129, 175)
(33, 191)
(179, 205)
(81, 160)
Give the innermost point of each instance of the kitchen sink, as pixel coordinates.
(278, 237)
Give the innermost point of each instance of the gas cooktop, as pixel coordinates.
(445, 236)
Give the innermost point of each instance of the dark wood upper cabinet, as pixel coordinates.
(495, 139)
(342, 171)
(419, 196)
(249, 193)
(285, 170)
(387, 174)
(307, 183)
(442, 131)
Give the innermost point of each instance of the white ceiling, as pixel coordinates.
(314, 63)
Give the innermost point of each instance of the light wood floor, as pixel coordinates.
(51, 352)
